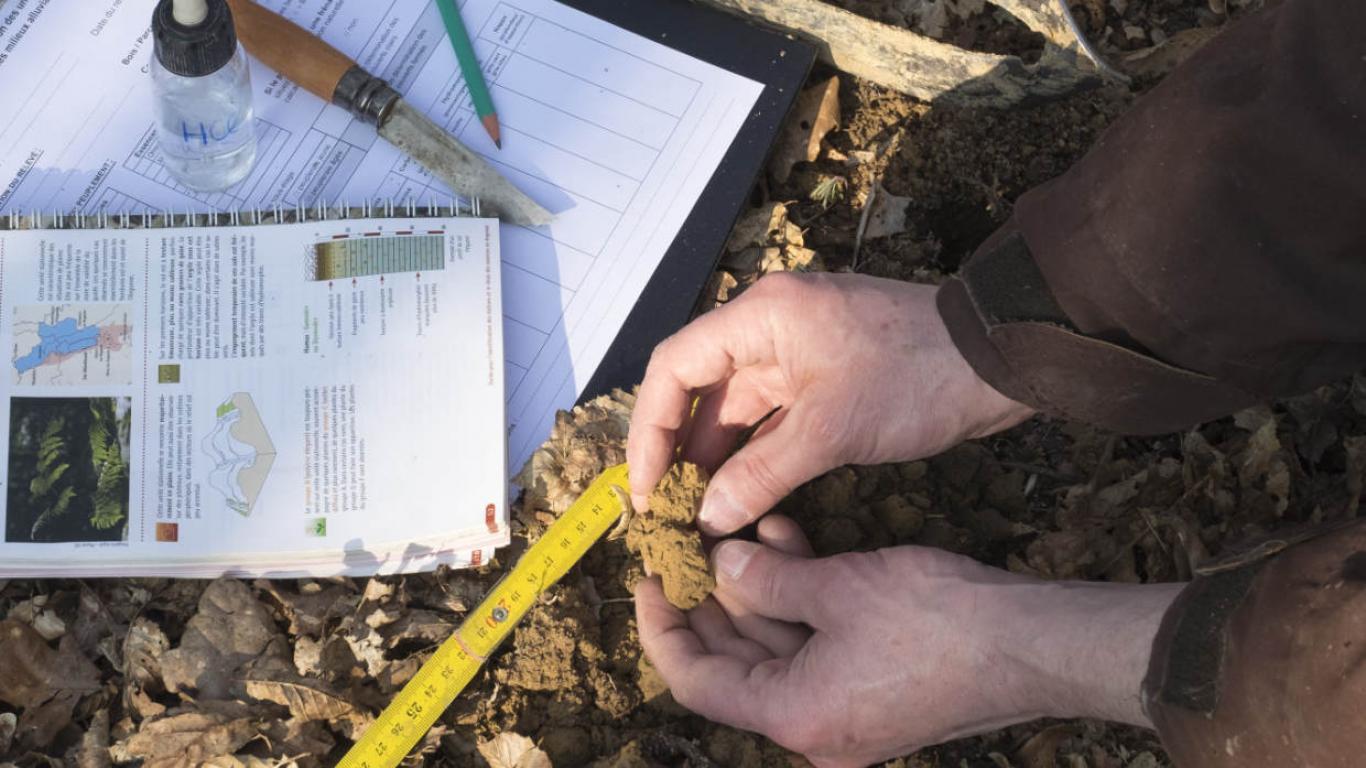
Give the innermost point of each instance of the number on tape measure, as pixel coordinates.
(417, 706)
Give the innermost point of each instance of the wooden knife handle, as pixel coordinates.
(289, 49)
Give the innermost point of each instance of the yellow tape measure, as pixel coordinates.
(413, 711)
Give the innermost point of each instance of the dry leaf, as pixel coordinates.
(426, 626)
(512, 750)
(1156, 61)
(799, 259)
(815, 114)
(376, 590)
(33, 673)
(764, 226)
(1263, 464)
(142, 651)
(888, 216)
(751, 260)
(295, 737)
(46, 684)
(305, 702)
(93, 751)
(189, 737)
(1042, 748)
(231, 634)
(312, 606)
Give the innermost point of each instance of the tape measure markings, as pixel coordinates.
(456, 661)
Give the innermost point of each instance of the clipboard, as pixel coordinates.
(781, 64)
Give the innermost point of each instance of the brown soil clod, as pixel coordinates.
(667, 540)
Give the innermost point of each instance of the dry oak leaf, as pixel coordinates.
(815, 114)
(189, 737)
(142, 650)
(512, 750)
(231, 634)
(47, 684)
(304, 701)
(33, 673)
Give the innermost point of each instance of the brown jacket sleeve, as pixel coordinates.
(1261, 663)
(1208, 253)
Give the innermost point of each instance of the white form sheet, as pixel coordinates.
(615, 133)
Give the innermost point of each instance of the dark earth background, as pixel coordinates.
(231, 673)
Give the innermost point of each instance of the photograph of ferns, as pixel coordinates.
(68, 469)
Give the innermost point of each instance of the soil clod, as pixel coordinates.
(667, 540)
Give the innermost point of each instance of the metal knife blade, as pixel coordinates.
(459, 167)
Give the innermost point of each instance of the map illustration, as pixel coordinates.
(72, 344)
(240, 452)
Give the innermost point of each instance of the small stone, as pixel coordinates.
(1134, 33)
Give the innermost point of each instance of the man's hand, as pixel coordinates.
(858, 658)
(863, 370)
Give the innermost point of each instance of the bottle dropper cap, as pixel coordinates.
(193, 38)
(191, 13)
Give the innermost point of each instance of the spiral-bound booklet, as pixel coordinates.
(281, 393)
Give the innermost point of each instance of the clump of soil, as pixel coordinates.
(666, 538)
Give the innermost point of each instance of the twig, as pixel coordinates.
(863, 222)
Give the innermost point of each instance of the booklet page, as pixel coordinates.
(329, 390)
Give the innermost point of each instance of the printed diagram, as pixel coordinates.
(72, 344)
(374, 254)
(240, 453)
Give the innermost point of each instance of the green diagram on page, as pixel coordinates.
(240, 452)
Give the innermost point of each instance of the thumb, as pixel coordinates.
(769, 582)
(768, 468)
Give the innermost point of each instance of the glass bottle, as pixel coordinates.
(203, 93)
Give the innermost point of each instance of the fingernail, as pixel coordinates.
(719, 512)
(732, 557)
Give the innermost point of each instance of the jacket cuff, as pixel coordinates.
(1004, 320)
(1261, 661)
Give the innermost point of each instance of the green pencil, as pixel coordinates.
(469, 67)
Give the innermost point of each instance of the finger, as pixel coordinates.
(713, 627)
(767, 469)
(770, 583)
(780, 638)
(783, 534)
(705, 353)
(723, 688)
(727, 411)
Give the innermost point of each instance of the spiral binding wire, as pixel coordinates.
(386, 209)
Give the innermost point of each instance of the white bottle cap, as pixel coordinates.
(191, 13)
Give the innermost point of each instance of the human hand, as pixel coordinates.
(864, 371)
(862, 657)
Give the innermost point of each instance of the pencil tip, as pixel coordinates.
(490, 122)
